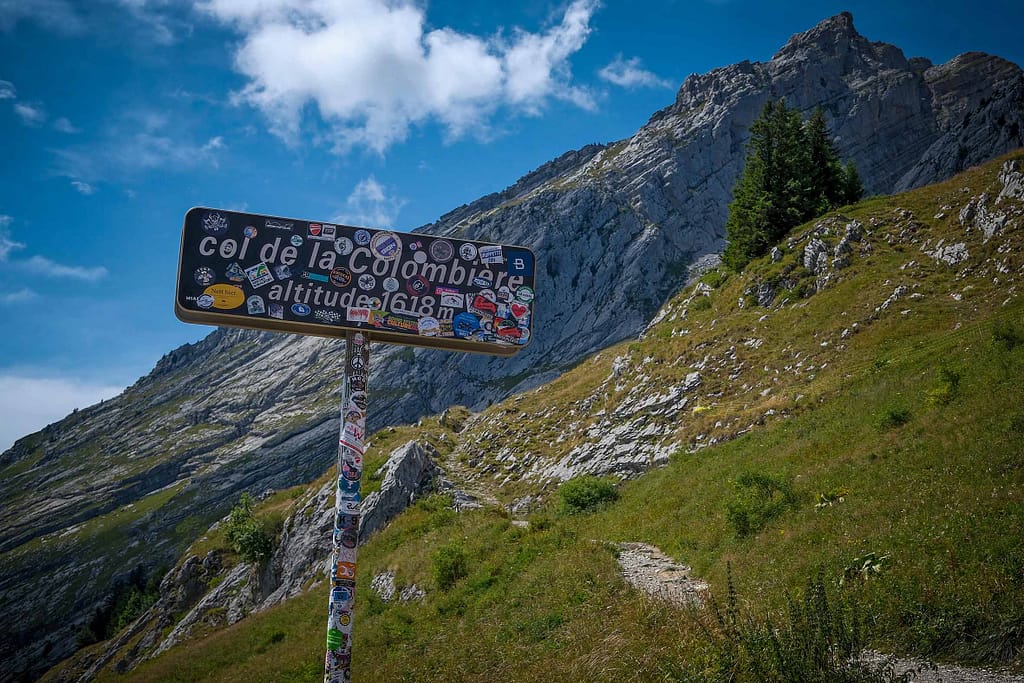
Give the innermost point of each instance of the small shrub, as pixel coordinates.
(759, 498)
(247, 535)
(586, 494)
(714, 278)
(1006, 336)
(449, 565)
(948, 389)
(1015, 424)
(700, 303)
(893, 417)
(540, 521)
(819, 638)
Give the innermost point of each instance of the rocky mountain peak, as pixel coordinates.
(837, 38)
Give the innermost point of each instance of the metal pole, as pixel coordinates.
(337, 668)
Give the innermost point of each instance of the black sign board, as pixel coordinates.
(326, 279)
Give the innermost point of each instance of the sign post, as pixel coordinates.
(308, 277)
(347, 509)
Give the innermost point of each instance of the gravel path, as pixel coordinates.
(944, 673)
(648, 569)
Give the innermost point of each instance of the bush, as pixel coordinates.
(949, 387)
(714, 278)
(449, 565)
(819, 639)
(586, 494)
(893, 417)
(759, 498)
(246, 534)
(700, 303)
(1006, 336)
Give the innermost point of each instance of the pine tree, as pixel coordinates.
(853, 189)
(770, 195)
(792, 174)
(827, 189)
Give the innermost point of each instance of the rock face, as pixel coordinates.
(408, 472)
(210, 594)
(616, 228)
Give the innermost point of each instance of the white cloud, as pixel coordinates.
(30, 115)
(83, 187)
(372, 68)
(62, 125)
(629, 73)
(7, 91)
(17, 297)
(370, 205)
(138, 141)
(7, 245)
(41, 265)
(30, 403)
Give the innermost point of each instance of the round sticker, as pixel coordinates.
(417, 285)
(205, 275)
(429, 327)
(343, 246)
(467, 252)
(215, 224)
(386, 246)
(375, 303)
(362, 237)
(300, 309)
(225, 296)
(296, 241)
(419, 257)
(341, 277)
(367, 282)
(204, 301)
(464, 324)
(250, 231)
(390, 284)
(442, 250)
(525, 294)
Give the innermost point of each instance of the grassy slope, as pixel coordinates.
(940, 495)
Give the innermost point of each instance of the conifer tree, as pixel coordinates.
(792, 174)
(825, 174)
(853, 189)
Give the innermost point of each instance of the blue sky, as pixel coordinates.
(116, 116)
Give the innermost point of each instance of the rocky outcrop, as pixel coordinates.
(407, 474)
(617, 229)
(205, 592)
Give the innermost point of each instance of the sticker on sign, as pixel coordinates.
(402, 288)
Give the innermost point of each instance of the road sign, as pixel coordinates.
(330, 280)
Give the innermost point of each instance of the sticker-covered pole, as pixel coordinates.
(346, 511)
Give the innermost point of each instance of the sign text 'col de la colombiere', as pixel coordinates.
(325, 279)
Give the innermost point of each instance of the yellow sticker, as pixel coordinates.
(225, 296)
